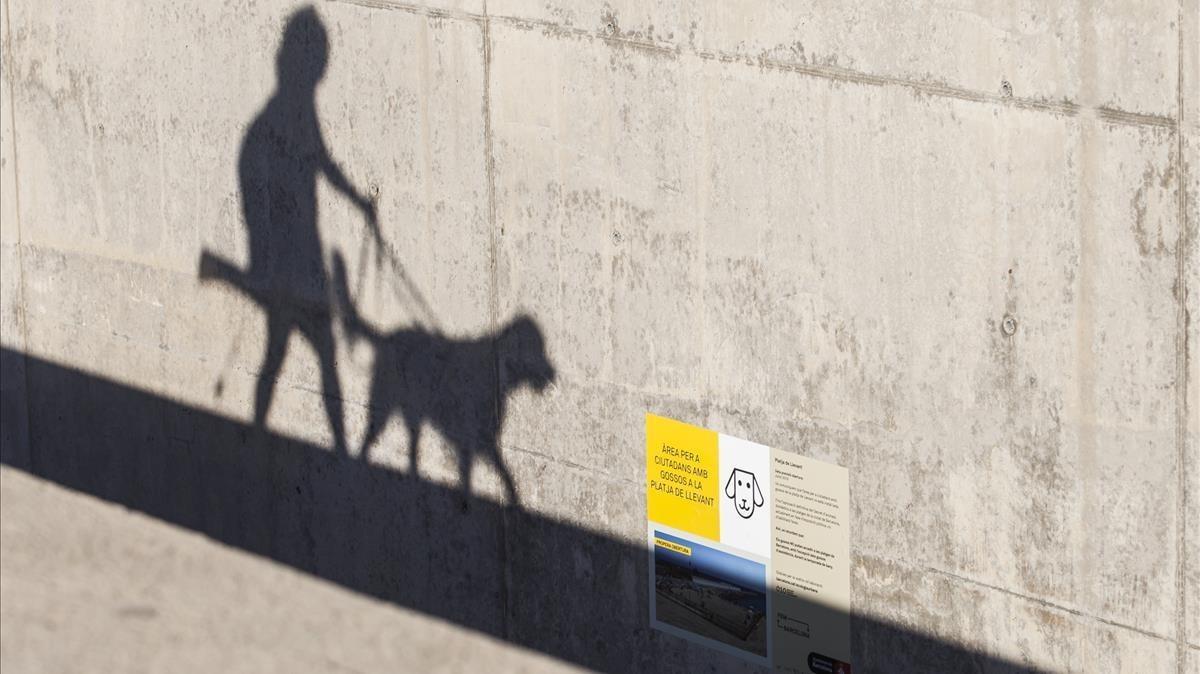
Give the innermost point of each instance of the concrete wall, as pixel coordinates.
(801, 223)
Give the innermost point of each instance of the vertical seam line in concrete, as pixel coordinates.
(1181, 354)
(21, 312)
(489, 164)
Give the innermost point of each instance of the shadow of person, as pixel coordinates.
(281, 156)
(451, 384)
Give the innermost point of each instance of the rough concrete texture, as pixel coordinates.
(799, 223)
(91, 587)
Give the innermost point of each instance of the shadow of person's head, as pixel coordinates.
(304, 53)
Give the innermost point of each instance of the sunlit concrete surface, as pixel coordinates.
(86, 586)
(951, 246)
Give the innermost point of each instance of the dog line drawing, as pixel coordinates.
(426, 377)
(742, 487)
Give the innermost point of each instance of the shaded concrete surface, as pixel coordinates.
(87, 586)
(542, 583)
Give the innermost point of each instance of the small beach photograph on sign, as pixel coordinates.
(710, 593)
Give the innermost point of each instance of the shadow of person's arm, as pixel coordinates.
(365, 203)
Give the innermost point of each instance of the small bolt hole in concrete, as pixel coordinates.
(1008, 326)
(610, 28)
(1005, 89)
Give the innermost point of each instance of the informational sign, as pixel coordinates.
(750, 548)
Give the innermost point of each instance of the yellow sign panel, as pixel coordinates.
(727, 512)
(673, 547)
(682, 484)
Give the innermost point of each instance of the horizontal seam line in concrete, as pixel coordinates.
(590, 470)
(949, 574)
(1051, 605)
(835, 73)
(435, 12)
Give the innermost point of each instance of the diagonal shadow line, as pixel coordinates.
(574, 594)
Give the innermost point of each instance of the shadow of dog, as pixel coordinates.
(452, 384)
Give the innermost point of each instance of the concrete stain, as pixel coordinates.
(1150, 238)
(138, 612)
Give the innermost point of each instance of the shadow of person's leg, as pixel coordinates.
(278, 332)
(321, 336)
(413, 424)
(466, 462)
